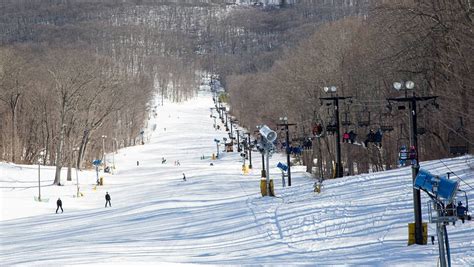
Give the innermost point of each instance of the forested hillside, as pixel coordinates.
(72, 72)
(427, 42)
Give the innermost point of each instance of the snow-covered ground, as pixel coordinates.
(217, 216)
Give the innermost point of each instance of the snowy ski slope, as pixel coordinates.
(217, 216)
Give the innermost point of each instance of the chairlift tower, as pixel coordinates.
(238, 140)
(412, 100)
(267, 147)
(249, 146)
(287, 138)
(441, 208)
(335, 99)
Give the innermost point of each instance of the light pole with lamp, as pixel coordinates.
(266, 144)
(410, 85)
(114, 151)
(217, 147)
(76, 149)
(249, 147)
(103, 150)
(227, 119)
(238, 140)
(285, 123)
(40, 158)
(335, 99)
(215, 125)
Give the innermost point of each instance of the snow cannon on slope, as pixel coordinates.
(438, 187)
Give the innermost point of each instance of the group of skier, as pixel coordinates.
(407, 154)
(59, 202)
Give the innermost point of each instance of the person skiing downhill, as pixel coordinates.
(59, 203)
(184, 177)
(107, 199)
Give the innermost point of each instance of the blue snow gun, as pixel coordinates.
(282, 166)
(437, 186)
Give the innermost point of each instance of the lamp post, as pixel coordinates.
(238, 140)
(249, 146)
(217, 147)
(405, 86)
(227, 120)
(114, 150)
(285, 123)
(268, 137)
(103, 150)
(335, 99)
(232, 131)
(40, 158)
(214, 117)
(76, 149)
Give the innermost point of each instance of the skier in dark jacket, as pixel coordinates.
(59, 203)
(107, 199)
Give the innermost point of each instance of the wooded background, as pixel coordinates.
(72, 71)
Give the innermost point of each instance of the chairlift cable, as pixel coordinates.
(456, 174)
(455, 132)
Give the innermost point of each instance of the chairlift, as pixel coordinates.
(363, 119)
(384, 126)
(374, 137)
(463, 212)
(404, 141)
(308, 143)
(457, 141)
(401, 107)
(421, 130)
(297, 139)
(331, 128)
(346, 121)
(318, 129)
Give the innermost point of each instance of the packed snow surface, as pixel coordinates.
(218, 215)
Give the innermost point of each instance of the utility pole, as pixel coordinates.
(77, 175)
(114, 150)
(217, 146)
(249, 147)
(232, 130)
(221, 114)
(266, 145)
(103, 150)
(286, 124)
(238, 141)
(226, 120)
(262, 151)
(335, 99)
(409, 85)
(40, 158)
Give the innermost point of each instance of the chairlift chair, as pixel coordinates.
(346, 121)
(318, 129)
(363, 119)
(457, 142)
(464, 213)
(331, 128)
(384, 126)
(402, 140)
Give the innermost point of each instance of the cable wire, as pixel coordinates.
(456, 174)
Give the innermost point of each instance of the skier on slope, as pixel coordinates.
(59, 203)
(107, 199)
